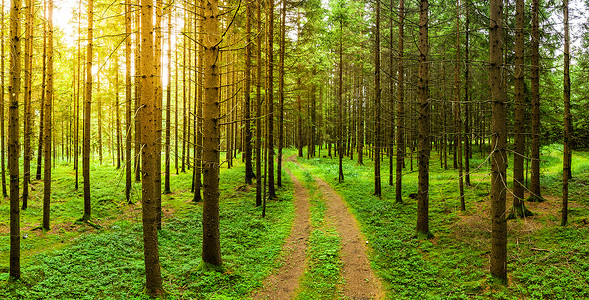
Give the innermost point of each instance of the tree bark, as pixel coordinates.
(2, 92)
(137, 157)
(211, 247)
(259, 105)
(28, 80)
(42, 105)
(457, 110)
(77, 100)
(249, 174)
(48, 118)
(423, 125)
(158, 112)
(518, 208)
(117, 114)
(567, 159)
(128, 121)
(281, 94)
(270, 99)
(184, 94)
(377, 94)
(391, 141)
(340, 97)
(13, 136)
(499, 142)
(400, 108)
(468, 133)
(167, 189)
(147, 118)
(198, 124)
(535, 193)
(87, 109)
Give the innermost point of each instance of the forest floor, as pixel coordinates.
(304, 231)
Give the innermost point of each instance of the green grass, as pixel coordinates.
(454, 265)
(108, 263)
(76, 261)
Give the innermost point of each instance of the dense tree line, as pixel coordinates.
(391, 82)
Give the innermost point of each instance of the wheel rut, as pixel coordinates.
(284, 282)
(359, 280)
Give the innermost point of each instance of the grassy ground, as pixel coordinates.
(545, 260)
(76, 261)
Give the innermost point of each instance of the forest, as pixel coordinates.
(294, 149)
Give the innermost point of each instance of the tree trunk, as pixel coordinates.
(423, 125)
(13, 136)
(499, 142)
(28, 80)
(468, 133)
(270, 99)
(77, 104)
(400, 108)
(87, 109)
(518, 209)
(137, 157)
(457, 110)
(167, 189)
(249, 173)
(377, 92)
(391, 100)
(281, 94)
(184, 95)
(299, 121)
(117, 114)
(129, 124)
(42, 105)
(198, 154)
(2, 129)
(176, 124)
(48, 118)
(567, 159)
(360, 138)
(147, 118)
(158, 112)
(259, 106)
(535, 194)
(211, 247)
(340, 108)
(99, 108)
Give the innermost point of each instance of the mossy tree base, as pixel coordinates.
(159, 293)
(207, 267)
(424, 235)
(535, 198)
(519, 212)
(86, 219)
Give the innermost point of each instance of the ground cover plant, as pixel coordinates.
(104, 259)
(77, 261)
(545, 259)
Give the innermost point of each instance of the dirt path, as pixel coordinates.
(284, 283)
(360, 282)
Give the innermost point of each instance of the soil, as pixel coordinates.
(359, 281)
(284, 282)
